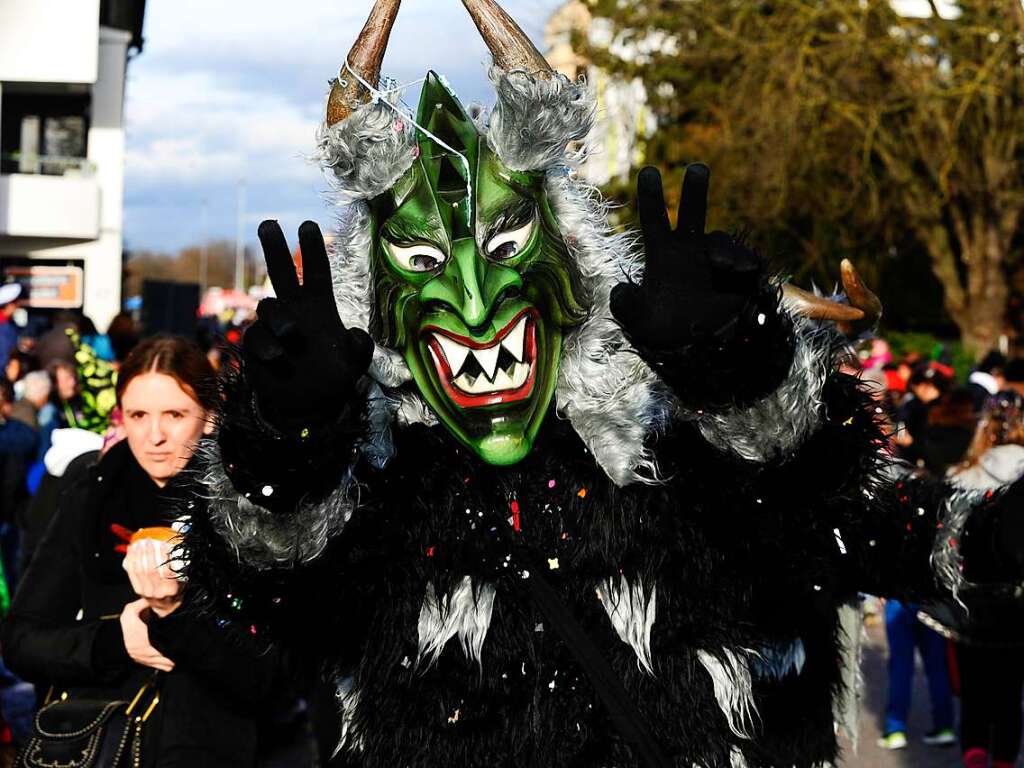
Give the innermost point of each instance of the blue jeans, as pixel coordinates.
(904, 632)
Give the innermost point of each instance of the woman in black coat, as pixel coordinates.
(98, 619)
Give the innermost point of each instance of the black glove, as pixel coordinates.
(694, 283)
(300, 360)
(705, 317)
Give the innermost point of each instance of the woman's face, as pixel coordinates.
(163, 424)
(67, 382)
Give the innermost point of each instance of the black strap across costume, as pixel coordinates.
(624, 713)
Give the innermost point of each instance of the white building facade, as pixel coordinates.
(624, 120)
(62, 83)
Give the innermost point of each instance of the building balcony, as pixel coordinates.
(61, 209)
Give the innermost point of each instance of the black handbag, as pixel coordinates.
(90, 733)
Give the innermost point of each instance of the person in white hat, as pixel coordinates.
(9, 294)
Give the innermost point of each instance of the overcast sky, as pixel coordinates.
(233, 90)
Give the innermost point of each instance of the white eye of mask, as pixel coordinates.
(416, 258)
(505, 245)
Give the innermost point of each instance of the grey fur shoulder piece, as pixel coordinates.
(260, 538)
(535, 118)
(612, 398)
(366, 153)
(780, 422)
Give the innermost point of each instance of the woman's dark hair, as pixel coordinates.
(178, 358)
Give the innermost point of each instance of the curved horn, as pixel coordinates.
(858, 293)
(365, 58)
(859, 315)
(509, 45)
(818, 307)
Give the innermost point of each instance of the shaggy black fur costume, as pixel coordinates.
(744, 562)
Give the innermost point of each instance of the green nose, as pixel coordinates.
(470, 285)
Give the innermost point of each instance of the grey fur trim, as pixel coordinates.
(774, 662)
(465, 612)
(349, 256)
(367, 152)
(846, 702)
(730, 676)
(260, 538)
(780, 422)
(535, 118)
(612, 398)
(632, 610)
(947, 561)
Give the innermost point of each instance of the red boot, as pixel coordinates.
(975, 757)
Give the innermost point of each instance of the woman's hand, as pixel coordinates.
(136, 637)
(148, 565)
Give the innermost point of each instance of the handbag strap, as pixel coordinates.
(623, 711)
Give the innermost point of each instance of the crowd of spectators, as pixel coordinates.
(971, 434)
(93, 430)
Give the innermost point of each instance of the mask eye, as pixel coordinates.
(505, 245)
(416, 258)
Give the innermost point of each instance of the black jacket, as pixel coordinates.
(63, 629)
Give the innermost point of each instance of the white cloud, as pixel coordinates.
(189, 126)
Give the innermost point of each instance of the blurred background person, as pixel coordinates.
(35, 395)
(124, 335)
(1013, 376)
(992, 674)
(905, 632)
(987, 379)
(948, 431)
(9, 294)
(17, 449)
(66, 392)
(95, 617)
(18, 365)
(55, 345)
(924, 387)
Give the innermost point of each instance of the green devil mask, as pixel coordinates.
(453, 259)
(472, 282)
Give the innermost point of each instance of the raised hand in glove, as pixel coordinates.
(695, 284)
(300, 360)
(705, 317)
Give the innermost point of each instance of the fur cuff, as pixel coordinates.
(263, 539)
(367, 152)
(775, 425)
(535, 119)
